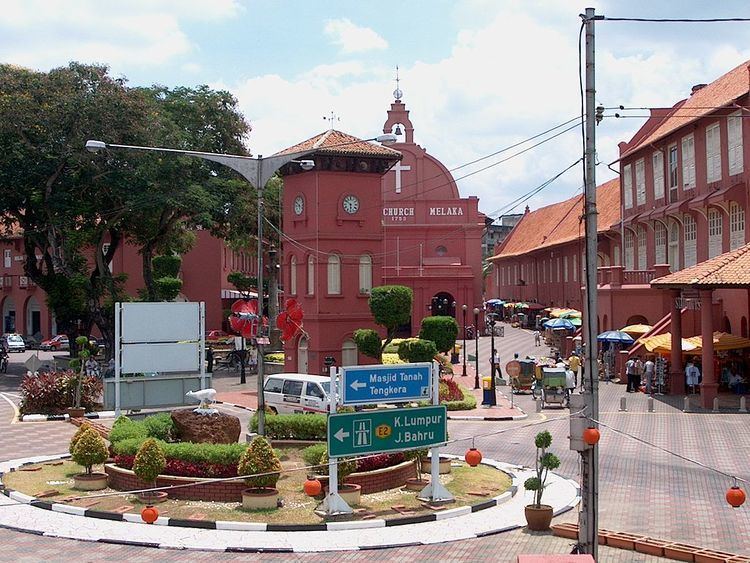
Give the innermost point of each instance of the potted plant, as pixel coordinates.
(445, 464)
(419, 482)
(260, 461)
(88, 449)
(149, 462)
(538, 515)
(349, 492)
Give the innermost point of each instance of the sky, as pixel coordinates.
(477, 75)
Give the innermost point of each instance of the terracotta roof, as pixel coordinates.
(721, 92)
(559, 223)
(334, 142)
(731, 269)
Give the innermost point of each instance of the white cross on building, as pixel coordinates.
(397, 169)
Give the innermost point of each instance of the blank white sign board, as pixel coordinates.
(169, 357)
(160, 322)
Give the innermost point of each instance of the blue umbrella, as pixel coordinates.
(616, 336)
(559, 323)
(495, 302)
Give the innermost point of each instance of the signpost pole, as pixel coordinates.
(117, 350)
(202, 346)
(435, 490)
(333, 503)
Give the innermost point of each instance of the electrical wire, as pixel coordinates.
(675, 20)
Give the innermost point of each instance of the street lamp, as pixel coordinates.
(476, 347)
(492, 321)
(257, 171)
(464, 307)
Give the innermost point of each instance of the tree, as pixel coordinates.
(391, 308)
(543, 464)
(149, 461)
(441, 330)
(89, 449)
(417, 350)
(260, 462)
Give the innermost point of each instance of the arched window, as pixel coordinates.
(674, 247)
(690, 237)
(310, 275)
(715, 232)
(629, 258)
(660, 243)
(348, 353)
(293, 275)
(642, 256)
(334, 275)
(365, 274)
(736, 225)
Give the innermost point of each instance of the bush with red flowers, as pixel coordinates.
(380, 461)
(182, 468)
(54, 392)
(450, 391)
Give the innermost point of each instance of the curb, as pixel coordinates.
(243, 407)
(521, 416)
(65, 417)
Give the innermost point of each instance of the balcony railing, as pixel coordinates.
(617, 276)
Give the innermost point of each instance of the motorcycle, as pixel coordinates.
(470, 332)
(4, 362)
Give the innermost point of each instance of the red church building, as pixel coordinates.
(369, 215)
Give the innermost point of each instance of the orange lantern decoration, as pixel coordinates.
(591, 436)
(736, 496)
(149, 514)
(312, 487)
(473, 457)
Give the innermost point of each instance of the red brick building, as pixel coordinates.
(369, 215)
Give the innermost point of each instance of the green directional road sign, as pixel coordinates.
(359, 433)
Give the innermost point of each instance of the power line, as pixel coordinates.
(675, 20)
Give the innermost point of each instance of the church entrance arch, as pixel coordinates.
(636, 320)
(302, 364)
(443, 304)
(9, 315)
(33, 317)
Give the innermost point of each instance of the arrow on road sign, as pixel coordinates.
(340, 435)
(356, 384)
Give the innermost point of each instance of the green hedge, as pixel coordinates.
(293, 426)
(225, 454)
(313, 454)
(159, 426)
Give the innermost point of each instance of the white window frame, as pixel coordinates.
(713, 152)
(657, 169)
(334, 274)
(627, 186)
(629, 250)
(557, 263)
(310, 275)
(715, 232)
(660, 243)
(736, 225)
(575, 267)
(642, 252)
(616, 255)
(673, 158)
(688, 162)
(7, 258)
(735, 156)
(640, 181)
(365, 274)
(689, 241)
(565, 269)
(293, 275)
(673, 247)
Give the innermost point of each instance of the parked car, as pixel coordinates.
(59, 342)
(14, 343)
(219, 337)
(287, 393)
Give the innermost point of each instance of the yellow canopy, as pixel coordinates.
(558, 311)
(637, 329)
(722, 341)
(662, 344)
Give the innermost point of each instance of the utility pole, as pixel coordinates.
(587, 517)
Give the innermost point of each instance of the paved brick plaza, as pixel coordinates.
(641, 490)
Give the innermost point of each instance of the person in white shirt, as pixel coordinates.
(649, 370)
(692, 376)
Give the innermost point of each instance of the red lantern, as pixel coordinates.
(591, 436)
(473, 457)
(736, 496)
(312, 487)
(149, 514)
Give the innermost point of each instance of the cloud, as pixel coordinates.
(352, 38)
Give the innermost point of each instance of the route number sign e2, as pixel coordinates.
(360, 433)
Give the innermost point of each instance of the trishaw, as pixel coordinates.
(524, 381)
(554, 390)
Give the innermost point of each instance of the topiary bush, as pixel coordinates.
(313, 454)
(368, 342)
(149, 461)
(442, 330)
(77, 436)
(417, 350)
(293, 426)
(160, 426)
(543, 464)
(260, 461)
(89, 449)
(219, 454)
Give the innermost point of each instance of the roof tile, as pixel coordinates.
(337, 143)
(731, 269)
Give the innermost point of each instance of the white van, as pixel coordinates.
(287, 393)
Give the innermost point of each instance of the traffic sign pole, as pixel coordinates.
(435, 491)
(333, 503)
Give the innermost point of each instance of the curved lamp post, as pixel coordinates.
(257, 171)
(476, 347)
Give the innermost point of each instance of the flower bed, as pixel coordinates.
(380, 479)
(54, 392)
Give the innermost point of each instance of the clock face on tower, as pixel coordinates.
(299, 205)
(350, 204)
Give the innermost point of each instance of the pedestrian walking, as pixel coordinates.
(253, 361)
(496, 365)
(575, 365)
(649, 371)
(209, 360)
(692, 376)
(630, 372)
(638, 373)
(537, 338)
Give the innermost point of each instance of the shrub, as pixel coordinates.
(77, 436)
(160, 426)
(449, 390)
(124, 429)
(54, 392)
(417, 350)
(293, 426)
(392, 346)
(182, 468)
(89, 449)
(417, 456)
(543, 464)
(276, 357)
(149, 462)
(391, 359)
(260, 460)
(166, 265)
(347, 466)
(218, 454)
(442, 330)
(379, 461)
(368, 342)
(313, 454)
(467, 401)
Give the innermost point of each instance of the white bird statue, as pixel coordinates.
(205, 396)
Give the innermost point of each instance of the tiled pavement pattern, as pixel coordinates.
(641, 490)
